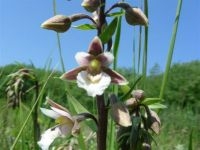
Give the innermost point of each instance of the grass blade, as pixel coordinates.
(171, 49)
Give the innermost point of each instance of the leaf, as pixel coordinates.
(108, 32)
(78, 108)
(134, 132)
(157, 106)
(116, 14)
(85, 27)
(126, 95)
(150, 101)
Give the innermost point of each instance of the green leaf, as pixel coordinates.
(134, 132)
(126, 95)
(78, 108)
(85, 27)
(108, 32)
(116, 14)
(157, 106)
(150, 101)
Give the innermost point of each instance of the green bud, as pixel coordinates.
(58, 23)
(135, 16)
(90, 5)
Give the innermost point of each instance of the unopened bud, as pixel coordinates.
(135, 16)
(131, 103)
(90, 5)
(58, 23)
(120, 114)
(138, 94)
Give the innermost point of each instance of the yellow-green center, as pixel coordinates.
(94, 67)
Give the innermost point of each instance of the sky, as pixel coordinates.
(23, 40)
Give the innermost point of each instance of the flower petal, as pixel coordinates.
(93, 88)
(50, 113)
(83, 58)
(55, 105)
(62, 113)
(95, 47)
(106, 58)
(115, 77)
(51, 134)
(72, 74)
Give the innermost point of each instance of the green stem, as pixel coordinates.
(36, 126)
(144, 66)
(171, 49)
(58, 41)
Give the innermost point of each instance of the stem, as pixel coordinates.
(103, 121)
(58, 40)
(171, 49)
(101, 17)
(79, 16)
(36, 126)
(101, 108)
(144, 68)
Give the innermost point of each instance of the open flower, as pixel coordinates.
(93, 75)
(66, 124)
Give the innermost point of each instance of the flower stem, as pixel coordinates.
(103, 121)
(101, 107)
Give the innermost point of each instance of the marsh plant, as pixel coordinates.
(132, 117)
(124, 118)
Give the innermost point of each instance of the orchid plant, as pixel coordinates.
(130, 112)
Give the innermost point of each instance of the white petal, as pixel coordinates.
(106, 58)
(48, 137)
(61, 112)
(82, 58)
(50, 113)
(93, 88)
(51, 134)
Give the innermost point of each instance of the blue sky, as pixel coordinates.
(22, 39)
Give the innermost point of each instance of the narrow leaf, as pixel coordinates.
(150, 101)
(107, 34)
(85, 27)
(126, 95)
(116, 14)
(78, 108)
(157, 106)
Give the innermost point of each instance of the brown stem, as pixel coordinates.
(101, 16)
(101, 108)
(102, 126)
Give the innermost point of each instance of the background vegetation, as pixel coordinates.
(179, 120)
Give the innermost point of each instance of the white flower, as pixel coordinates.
(93, 75)
(66, 124)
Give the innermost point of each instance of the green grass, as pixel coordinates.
(177, 125)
